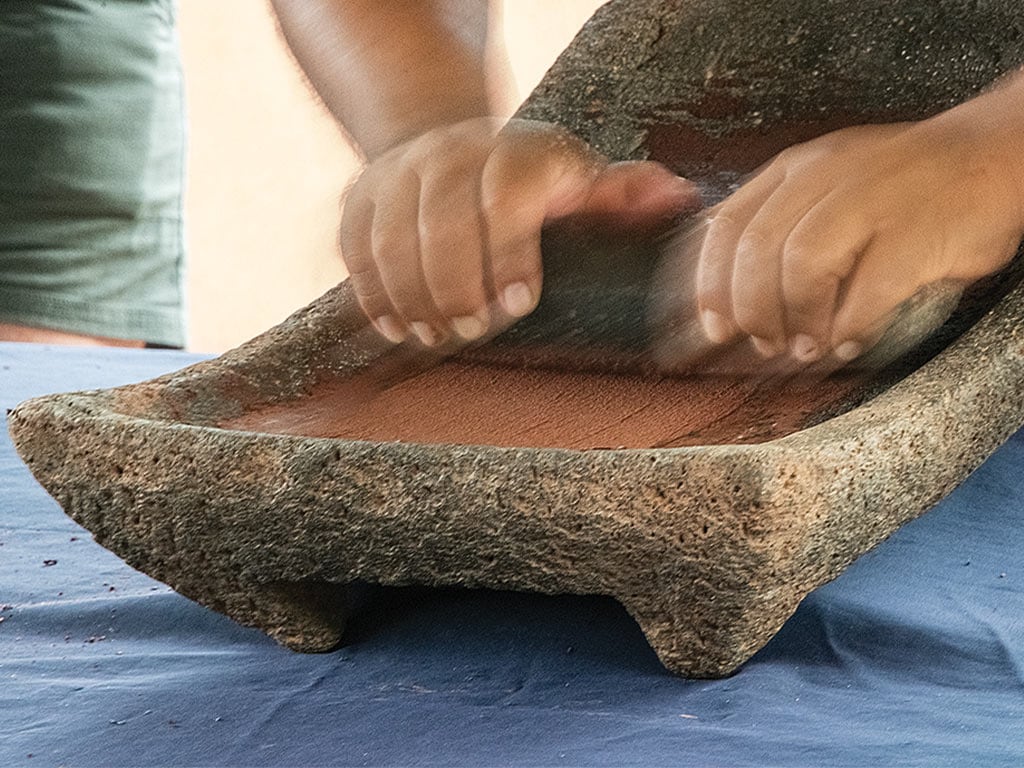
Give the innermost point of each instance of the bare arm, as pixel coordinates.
(390, 70)
(441, 232)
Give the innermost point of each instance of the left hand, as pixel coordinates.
(442, 234)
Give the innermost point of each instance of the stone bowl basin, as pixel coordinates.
(264, 481)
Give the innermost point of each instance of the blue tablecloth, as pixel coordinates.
(915, 656)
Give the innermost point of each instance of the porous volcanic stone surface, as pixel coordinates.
(713, 87)
(227, 480)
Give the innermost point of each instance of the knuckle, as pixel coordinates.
(753, 243)
(498, 195)
(441, 238)
(787, 155)
(418, 152)
(448, 180)
(800, 255)
(362, 273)
(358, 260)
(719, 227)
(719, 246)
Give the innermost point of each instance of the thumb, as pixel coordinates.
(639, 194)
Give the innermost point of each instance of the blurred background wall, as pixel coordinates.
(267, 165)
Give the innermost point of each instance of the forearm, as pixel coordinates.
(994, 123)
(390, 70)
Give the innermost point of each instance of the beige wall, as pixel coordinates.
(267, 166)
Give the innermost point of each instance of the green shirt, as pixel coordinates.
(91, 167)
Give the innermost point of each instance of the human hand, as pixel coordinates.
(441, 235)
(815, 253)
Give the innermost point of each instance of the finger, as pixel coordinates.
(818, 257)
(756, 289)
(357, 252)
(717, 264)
(640, 195)
(783, 253)
(910, 323)
(757, 276)
(452, 243)
(678, 340)
(396, 253)
(714, 278)
(521, 187)
(876, 288)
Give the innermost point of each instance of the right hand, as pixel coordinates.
(441, 234)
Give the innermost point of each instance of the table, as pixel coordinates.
(914, 656)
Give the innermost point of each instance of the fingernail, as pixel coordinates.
(469, 327)
(848, 350)
(390, 329)
(425, 333)
(764, 347)
(517, 299)
(677, 187)
(716, 328)
(805, 348)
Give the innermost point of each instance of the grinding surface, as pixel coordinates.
(710, 547)
(475, 404)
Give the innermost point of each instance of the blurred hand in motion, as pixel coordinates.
(441, 231)
(812, 257)
(441, 235)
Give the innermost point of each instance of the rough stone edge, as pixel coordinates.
(796, 508)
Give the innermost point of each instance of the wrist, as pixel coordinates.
(992, 127)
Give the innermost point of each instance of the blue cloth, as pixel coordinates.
(915, 656)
